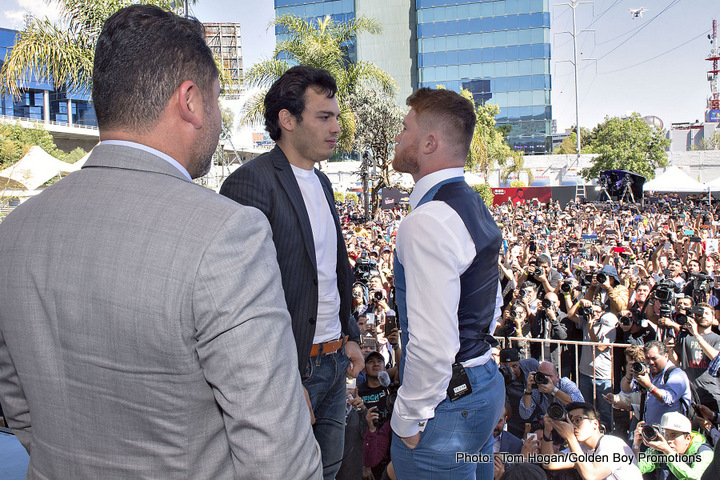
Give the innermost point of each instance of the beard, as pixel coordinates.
(406, 160)
(201, 161)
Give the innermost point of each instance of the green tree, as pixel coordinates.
(62, 53)
(379, 120)
(15, 141)
(485, 193)
(321, 44)
(627, 144)
(488, 147)
(569, 143)
(516, 168)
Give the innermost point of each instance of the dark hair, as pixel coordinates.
(587, 409)
(288, 93)
(142, 56)
(455, 111)
(661, 347)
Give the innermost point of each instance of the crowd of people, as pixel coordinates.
(153, 328)
(608, 309)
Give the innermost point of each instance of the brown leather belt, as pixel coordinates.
(328, 347)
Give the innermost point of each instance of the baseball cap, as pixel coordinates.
(675, 421)
(374, 354)
(508, 355)
(610, 271)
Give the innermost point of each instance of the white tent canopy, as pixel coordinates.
(36, 168)
(674, 180)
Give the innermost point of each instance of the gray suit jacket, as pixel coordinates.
(268, 183)
(142, 331)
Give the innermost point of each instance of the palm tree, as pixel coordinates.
(516, 168)
(63, 53)
(320, 44)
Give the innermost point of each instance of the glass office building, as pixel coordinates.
(500, 51)
(311, 10)
(40, 100)
(497, 49)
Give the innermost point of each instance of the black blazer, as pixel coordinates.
(268, 183)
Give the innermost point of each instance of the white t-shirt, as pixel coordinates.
(325, 239)
(621, 459)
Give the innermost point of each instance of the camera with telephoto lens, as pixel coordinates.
(546, 303)
(377, 295)
(626, 320)
(365, 268)
(566, 286)
(650, 433)
(540, 379)
(680, 318)
(586, 279)
(556, 411)
(665, 294)
(601, 277)
(534, 272)
(507, 373)
(639, 368)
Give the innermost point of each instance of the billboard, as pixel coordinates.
(521, 195)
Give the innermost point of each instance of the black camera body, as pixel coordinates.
(540, 379)
(650, 433)
(639, 368)
(626, 320)
(601, 277)
(566, 286)
(556, 411)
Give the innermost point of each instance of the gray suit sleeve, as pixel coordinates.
(246, 349)
(14, 403)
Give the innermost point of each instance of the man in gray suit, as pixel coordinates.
(142, 322)
(301, 115)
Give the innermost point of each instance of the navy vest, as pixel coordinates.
(478, 284)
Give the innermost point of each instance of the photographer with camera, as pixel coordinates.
(593, 454)
(515, 373)
(673, 448)
(695, 347)
(613, 294)
(548, 323)
(542, 274)
(629, 401)
(664, 388)
(544, 387)
(376, 448)
(595, 366)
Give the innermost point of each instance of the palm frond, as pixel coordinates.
(49, 54)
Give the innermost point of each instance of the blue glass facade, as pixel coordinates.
(31, 103)
(340, 11)
(497, 49)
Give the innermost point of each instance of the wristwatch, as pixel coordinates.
(555, 390)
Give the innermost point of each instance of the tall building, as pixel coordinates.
(497, 49)
(339, 10)
(41, 100)
(500, 51)
(225, 42)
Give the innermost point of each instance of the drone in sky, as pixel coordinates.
(637, 12)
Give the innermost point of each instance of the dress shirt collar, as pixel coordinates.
(428, 181)
(151, 150)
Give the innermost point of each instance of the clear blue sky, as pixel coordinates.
(654, 65)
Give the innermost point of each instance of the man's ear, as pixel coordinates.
(287, 120)
(189, 103)
(430, 143)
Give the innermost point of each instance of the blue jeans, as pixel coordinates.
(602, 387)
(462, 426)
(324, 380)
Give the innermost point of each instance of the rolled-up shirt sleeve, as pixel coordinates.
(434, 248)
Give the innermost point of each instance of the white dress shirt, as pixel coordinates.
(157, 153)
(435, 248)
